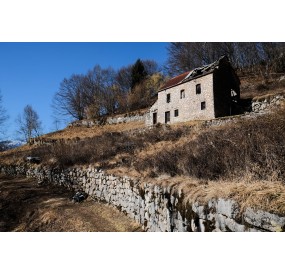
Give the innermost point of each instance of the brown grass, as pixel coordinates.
(257, 86)
(266, 195)
(85, 132)
(269, 96)
(26, 206)
(255, 147)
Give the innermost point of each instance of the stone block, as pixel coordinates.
(264, 220)
(227, 208)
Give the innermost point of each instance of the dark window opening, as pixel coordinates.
(167, 117)
(176, 113)
(182, 94)
(168, 98)
(198, 89)
(203, 105)
(154, 118)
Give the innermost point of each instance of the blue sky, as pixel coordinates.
(30, 73)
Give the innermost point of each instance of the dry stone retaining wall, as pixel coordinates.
(263, 104)
(156, 208)
(109, 120)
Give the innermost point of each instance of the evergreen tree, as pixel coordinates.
(138, 73)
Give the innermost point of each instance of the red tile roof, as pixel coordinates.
(174, 81)
(198, 72)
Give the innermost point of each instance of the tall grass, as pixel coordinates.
(102, 148)
(253, 147)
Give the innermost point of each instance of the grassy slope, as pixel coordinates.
(242, 160)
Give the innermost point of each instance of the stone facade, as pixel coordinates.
(156, 208)
(202, 94)
(184, 99)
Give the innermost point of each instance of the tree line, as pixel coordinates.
(259, 58)
(104, 91)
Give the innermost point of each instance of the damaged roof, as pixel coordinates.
(198, 72)
(174, 81)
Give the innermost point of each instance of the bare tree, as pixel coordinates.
(29, 125)
(70, 99)
(124, 78)
(101, 91)
(3, 113)
(260, 58)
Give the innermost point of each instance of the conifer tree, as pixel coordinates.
(138, 73)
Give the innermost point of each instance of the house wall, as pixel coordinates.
(223, 83)
(189, 108)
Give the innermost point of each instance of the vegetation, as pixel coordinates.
(29, 125)
(251, 148)
(104, 92)
(260, 58)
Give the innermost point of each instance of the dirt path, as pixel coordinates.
(26, 206)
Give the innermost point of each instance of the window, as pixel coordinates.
(154, 118)
(182, 94)
(203, 105)
(167, 117)
(176, 113)
(198, 89)
(168, 98)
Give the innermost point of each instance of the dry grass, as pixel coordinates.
(266, 195)
(86, 132)
(25, 206)
(268, 96)
(257, 86)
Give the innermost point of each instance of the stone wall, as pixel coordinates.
(264, 103)
(139, 116)
(156, 208)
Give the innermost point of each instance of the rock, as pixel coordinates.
(264, 220)
(227, 208)
(199, 210)
(234, 226)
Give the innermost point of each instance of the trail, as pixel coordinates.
(26, 206)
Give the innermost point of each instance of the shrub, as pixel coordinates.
(262, 87)
(255, 147)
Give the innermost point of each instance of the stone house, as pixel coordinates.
(204, 93)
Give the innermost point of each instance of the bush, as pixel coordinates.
(253, 147)
(262, 87)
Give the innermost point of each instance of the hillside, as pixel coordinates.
(241, 157)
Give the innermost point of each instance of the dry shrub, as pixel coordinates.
(89, 150)
(102, 148)
(254, 147)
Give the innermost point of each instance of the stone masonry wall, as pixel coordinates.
(156, 208)
(109, 120)
(189, 107)
(264, 103)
